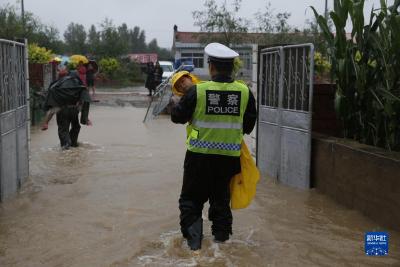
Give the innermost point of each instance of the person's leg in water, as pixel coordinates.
(90, 85)
(93, 88)
(63, 123)
(75, 126)
(195, 192)
(49, 115)
(220, 213)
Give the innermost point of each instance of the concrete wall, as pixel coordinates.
(358, 176)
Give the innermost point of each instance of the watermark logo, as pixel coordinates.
(376, 243)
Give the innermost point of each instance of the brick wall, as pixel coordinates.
(324, 117)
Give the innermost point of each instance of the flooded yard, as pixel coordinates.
(113, 201)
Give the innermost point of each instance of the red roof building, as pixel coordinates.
(143, 58)
(190, 46)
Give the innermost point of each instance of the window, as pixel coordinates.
(246, 59)
(167, 68)
(196, 58)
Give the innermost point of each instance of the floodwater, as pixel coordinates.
(113, 201)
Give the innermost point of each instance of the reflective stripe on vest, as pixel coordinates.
(212, 145)
(217, 125)
(217, 122)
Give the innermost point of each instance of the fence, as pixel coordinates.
(14, 117)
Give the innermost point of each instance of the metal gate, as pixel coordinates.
(161, 97)
(285, 105)
(14, 117)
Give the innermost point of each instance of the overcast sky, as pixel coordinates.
(157, 17)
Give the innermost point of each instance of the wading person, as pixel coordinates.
(219, 111)
(90, 73)
(81, 69)
(150, 83)
(68, 117)
(158, 72)
(66, 97)
(68, 126)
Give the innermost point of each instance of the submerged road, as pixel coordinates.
(113, 201)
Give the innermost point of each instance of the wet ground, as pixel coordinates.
(113, 202)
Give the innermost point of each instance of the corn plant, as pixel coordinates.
(366, 69)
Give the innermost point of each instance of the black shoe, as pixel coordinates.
(65, 147)
(195, 234)
(221, 237)
(74, 144)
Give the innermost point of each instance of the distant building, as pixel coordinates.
(143, 58)
(190, 46)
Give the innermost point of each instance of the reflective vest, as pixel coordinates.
(217, 121)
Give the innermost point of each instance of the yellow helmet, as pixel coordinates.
(179, 75)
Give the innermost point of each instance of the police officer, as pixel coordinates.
(219, 112)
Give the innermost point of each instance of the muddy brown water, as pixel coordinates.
(113, 202)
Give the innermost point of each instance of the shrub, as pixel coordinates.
(109, 66)
(321, 64)
(37, 54)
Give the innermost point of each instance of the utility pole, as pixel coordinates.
(326, 10)
(23, 17)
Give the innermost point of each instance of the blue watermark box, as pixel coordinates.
(376, 243)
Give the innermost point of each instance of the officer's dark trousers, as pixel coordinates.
(207, 178)
(68, 126)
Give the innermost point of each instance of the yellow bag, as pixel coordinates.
(243, 185)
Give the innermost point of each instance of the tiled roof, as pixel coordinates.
(195, 37)
(188, 37)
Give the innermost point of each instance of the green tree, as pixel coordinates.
(75, 38)
(275, 27)
(282, 26)
(124, 38)
(221, 20)
(108, 41)
(35, 31)
(265, 20)
(48, 37)
(134, 39)
(142, 42)
(153, 46)
(163, 54)
(93, 40)
(110, 45)
(10, 23)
